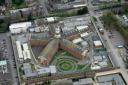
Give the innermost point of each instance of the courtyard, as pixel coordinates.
(65, 62)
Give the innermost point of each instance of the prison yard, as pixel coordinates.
(63, 42)
(66, 63)
(70, 45)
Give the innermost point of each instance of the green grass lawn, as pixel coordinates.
(66, 66)
(18, 4)
(15, 6)
(65, 62)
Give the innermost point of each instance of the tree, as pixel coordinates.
(2, 2)
(111, 22)
(18, 2)
(30, 17)
(82, 11)
(3, 25)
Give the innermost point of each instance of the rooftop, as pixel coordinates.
(4, 62)
(109, 79)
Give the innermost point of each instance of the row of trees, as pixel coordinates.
(110, 5)
(111, 22)
(69, 13)
(18, 2)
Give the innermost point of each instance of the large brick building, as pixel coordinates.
(52, 46)
(48, 52)
(73, 49)
(39, 42)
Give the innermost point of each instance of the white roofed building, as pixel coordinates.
(98, 43)
(79, 40)
(26, 51)
(80, 5)
(53, 69)
(80, 28)
(51, 19)
(84, 34)
(19, 27)
(26, 54)
(20, 51)
(25, 46)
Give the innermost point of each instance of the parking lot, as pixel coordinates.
(116, 38)
(9, 78)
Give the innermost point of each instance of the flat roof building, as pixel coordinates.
(86, 81)
(115, 79)
(3, 66)
(20, 51)
(19, 27)
(98, 43)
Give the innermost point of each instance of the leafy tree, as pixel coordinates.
(2, 2)
(30, 17)
(111, 22)
(3, 25)
(82, 11)
(18, 2)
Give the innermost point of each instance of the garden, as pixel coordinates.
(65, 62)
